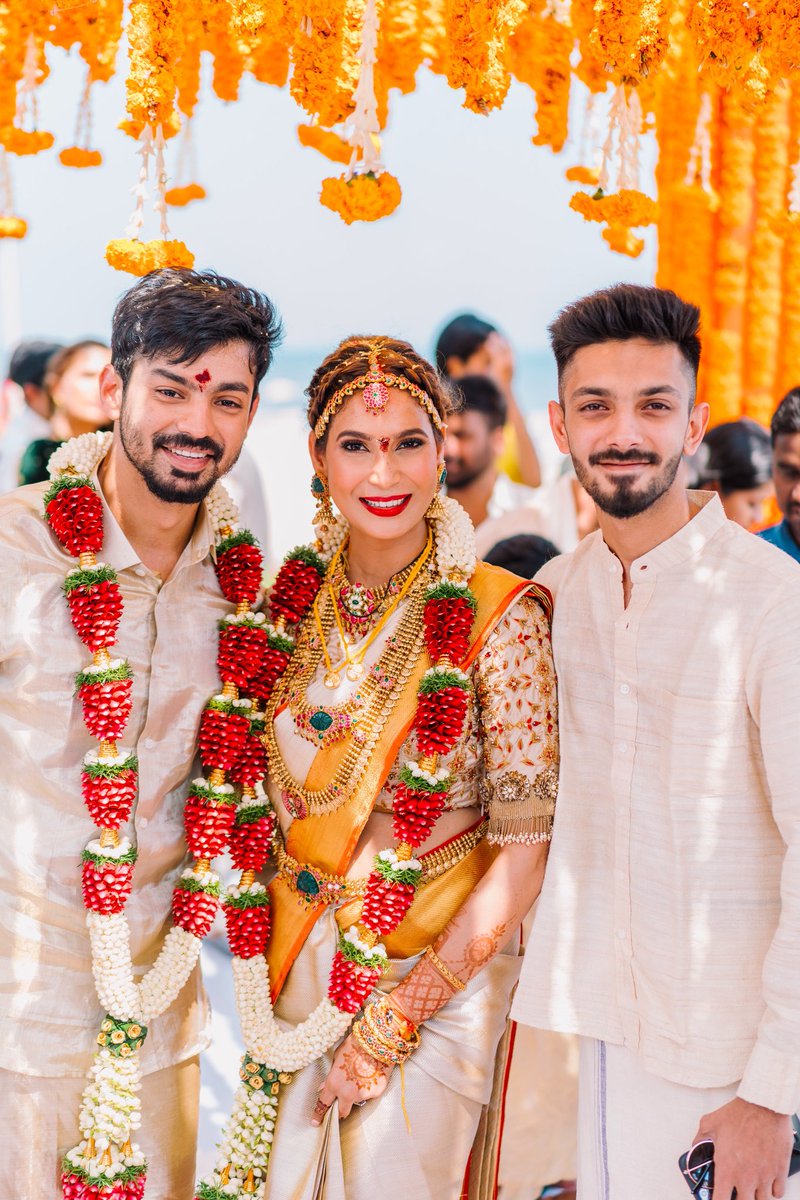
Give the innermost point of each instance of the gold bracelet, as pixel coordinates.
(443, 969)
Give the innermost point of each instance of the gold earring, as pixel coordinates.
(436, 510)
(324, 516)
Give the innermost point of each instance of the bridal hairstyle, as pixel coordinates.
(350, 360)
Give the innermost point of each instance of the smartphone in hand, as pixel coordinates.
(697, 1165)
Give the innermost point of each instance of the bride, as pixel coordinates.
(412, 755)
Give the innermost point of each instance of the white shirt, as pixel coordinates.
(669, 920)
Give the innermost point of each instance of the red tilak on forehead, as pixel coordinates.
(203, 378)
(384, 445)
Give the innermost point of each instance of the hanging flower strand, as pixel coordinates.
(366, 191)
(24, 136)
(628, 207)
(131, 253)
(80, 155)
(11, 226)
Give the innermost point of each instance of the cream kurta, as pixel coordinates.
(49, 1013)
(669, 921)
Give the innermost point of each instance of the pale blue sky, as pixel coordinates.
(484, 223)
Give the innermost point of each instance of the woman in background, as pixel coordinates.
(71, 380)
(735, 460)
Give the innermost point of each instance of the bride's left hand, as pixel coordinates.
(354, 1078)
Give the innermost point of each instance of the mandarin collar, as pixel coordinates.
(687, 542)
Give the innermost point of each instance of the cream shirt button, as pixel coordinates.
(621, 934)
(141, 572)
(142, 822)
(624, 689)
(149, 744)
(621, 746)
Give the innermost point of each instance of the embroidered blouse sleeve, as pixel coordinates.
(516, 690)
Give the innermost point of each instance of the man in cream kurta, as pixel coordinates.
(667, 931)
(162, 551)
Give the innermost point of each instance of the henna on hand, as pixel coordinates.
(422, 993)
(361, 1068)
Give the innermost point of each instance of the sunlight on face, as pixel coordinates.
(382, 469)
(626, 421)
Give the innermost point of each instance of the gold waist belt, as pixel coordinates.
(313, 886)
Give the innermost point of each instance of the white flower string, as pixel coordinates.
(624, 128)
(364, 135)
(794, 187)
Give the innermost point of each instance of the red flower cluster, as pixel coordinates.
(75, 1187)
(294, 590)
(76, 518)
(194, 910)
(240, 654)
(440, 719)
(251, 765)
(106, 708)
(250, 842)
(109, 801)
(208, 826)
(385, 904)
(448, 625)
(350, 983)
(273, 664)
(106, 886)
(95, 610)
(415, 812)
(248, 928)
(239, 571)
(222, 738)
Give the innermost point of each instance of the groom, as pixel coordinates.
(189, 350)
(668, 928)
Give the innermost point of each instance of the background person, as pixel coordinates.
(785, 433)
(470, 346)
(72, 381)
(734, 460)
(27, 406)
(666, 933)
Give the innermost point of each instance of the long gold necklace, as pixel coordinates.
(398, 662)
(354, 663)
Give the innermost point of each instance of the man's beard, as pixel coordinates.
(625, 500)
(467, 475)
(176, 488)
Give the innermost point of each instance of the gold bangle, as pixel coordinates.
(447, 975)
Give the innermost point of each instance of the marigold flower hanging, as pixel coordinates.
(80, 155)
(11, 226)
(130, 253)
(366, 191)
(326, 142)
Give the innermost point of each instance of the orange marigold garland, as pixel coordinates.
(477, 40)
(326, 142)
(765, 260)
(366, 191)
(155, 45)
(325, 58)
(540, 52)
(630, 36)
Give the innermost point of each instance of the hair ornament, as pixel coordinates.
(375, 386)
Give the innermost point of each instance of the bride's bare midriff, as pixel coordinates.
(378, 835)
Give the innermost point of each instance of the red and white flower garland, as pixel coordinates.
(273, 1052)
(105, 1165)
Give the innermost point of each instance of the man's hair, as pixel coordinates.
(460, 338)
(29, 362)
(183, 314)
(623, 312)
(481, 394)
(736, 455)
(786, 418)
(523, 553)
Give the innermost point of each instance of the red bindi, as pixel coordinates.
(384, 445)
(203, 378)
